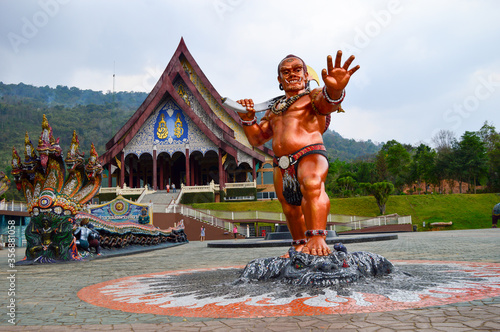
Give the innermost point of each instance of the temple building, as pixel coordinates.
(182, 134)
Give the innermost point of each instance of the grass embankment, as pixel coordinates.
(466, 211)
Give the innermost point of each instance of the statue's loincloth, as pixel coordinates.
(288, 165)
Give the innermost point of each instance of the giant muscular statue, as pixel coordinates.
(295, 123)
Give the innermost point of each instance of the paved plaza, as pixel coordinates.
(46, 295)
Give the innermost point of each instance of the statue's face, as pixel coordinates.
(292, 75)
(337, 268)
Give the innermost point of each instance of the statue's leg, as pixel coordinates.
(311, 174)
(55, 249)
(34, 250)
(293, 213)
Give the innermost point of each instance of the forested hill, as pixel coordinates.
(70, 97)
(348, 149)
(96, 116)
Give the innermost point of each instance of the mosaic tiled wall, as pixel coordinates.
(169, 129)
(182, 90)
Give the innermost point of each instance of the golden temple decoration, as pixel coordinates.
(178, 131)
(183, 94)
(162, 131)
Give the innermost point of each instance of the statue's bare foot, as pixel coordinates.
(298, 248)
(317, 246)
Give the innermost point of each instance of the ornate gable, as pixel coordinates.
(185, 92)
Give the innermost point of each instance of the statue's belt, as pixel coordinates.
(286, 161)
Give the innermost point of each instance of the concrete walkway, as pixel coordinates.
(46, 300)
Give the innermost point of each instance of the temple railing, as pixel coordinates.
(235, 185)
(205, 217)
(335, 222)
(393, 219)
(13, 206)
(125, 190)
(212, 187)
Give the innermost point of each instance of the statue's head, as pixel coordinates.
(292, 74)
(334, 269)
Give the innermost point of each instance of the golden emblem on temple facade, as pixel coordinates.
(162, 131)
(183, 95)
(178, 130)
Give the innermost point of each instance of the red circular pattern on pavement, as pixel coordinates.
(130, 295)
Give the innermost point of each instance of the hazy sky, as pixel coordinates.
(425, 65)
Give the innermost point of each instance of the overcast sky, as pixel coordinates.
(425, 65)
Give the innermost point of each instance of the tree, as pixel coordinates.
(381, 166)
(422, 165)
(443, 140)
(398, 162)
(471, 157)
(364, 171)
(346, 185)
(381, 191)
(491, 139)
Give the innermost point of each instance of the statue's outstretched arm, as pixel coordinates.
(336, 78)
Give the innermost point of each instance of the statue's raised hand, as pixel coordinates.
(336, 77)
(248, 104)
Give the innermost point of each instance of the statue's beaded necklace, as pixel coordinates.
(283, 103)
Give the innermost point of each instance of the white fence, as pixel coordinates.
(13, 206)
(205, 217)
(125, 190)
(337, 222)
(277, 216)
(392, 219)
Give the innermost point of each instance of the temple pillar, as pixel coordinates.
(188, 173)
(222, 180)
(155, 170)
(254, 171)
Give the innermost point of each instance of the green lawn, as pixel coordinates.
(466, 211)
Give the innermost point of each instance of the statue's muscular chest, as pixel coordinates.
(296, 118)
(293, 128)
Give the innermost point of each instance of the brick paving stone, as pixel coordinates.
(182, 329)
(450, 328)
(213, 328)
(307, 323)
(473, 323)
(362, 324)
(284, 326)
(369, 328)
(494, 325)
(150, 328)
(121, 329)
(338, 325)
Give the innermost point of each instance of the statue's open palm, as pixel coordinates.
(336, 77)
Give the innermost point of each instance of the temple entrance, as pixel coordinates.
(203, 169)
